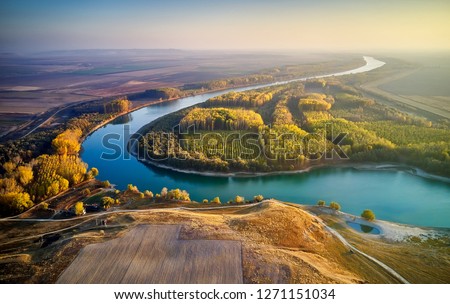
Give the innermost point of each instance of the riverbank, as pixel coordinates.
(336, 164)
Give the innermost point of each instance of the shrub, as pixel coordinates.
(239, 199)
(141, 195)
(93, 172)
(43, 206)
(258, 198)
(335, 206)
(205, 201)
(177, 194)
(106, 184)
(320, 203)
(368, 215)
(107, 202)
(164, 192)
(148, 193)
(216, 200)
(86, 192)
(78, 209)
(132, 189)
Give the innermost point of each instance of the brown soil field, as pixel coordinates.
(86, 75)
(154, 254)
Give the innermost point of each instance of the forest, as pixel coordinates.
(294, 126)
(47, 162)
(221, 119)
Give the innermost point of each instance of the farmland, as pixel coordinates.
(423, 86)
(138, 258)
(35, 87)
(36, 83)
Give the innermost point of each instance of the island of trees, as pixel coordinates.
(291, 127)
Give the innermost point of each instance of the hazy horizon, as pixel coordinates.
(233, 25)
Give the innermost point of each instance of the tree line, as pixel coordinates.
(221, 119)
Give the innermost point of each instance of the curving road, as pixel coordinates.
(350, 246)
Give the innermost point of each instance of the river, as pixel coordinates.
(392, 195)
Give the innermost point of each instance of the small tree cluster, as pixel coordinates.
(132, 189)
(239, 199)
(368, 215)
(148, 193)
(177, 194)
(78, 209)
(164, 192)
(335, 206)
(92, 173)
(107, 202)
(216, 200)
(258, 198)
(320, 203)
(106, 184)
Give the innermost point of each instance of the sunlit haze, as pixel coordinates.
(29, 26)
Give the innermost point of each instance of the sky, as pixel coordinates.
(330, 25)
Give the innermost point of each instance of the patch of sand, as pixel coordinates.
(393, 231)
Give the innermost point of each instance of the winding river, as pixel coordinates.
(393, 195)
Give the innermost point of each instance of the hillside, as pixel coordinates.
(279, 244)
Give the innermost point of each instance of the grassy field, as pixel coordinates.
(423, 87)
(425, 81)
(154, 254)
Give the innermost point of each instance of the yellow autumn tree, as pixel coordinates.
(25, 174)
(78, 208)
(68, 142)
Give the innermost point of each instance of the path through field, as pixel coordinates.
(154, 254)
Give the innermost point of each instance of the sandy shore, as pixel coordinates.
(391, 231)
